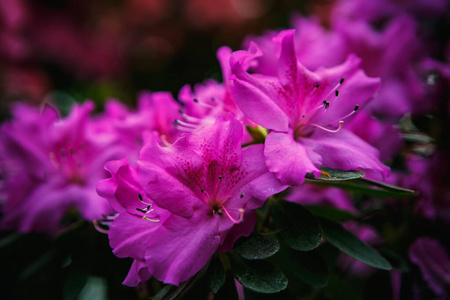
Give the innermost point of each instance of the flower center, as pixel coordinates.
(309, 120)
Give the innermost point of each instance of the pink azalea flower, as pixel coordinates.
(382, 135)
(429, 178)
(433, 261)
(305, 112)
(51, 166)
(206, 101)
(155, 112)
(184, 202)
(379, 10)
(390, 53)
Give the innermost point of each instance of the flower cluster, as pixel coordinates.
(176, 182)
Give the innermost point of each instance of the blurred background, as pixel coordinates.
(71, 50)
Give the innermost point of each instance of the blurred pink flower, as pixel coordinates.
(51, 166)
(433, 260)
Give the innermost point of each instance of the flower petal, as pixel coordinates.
(181, 247)
(345, 151)
(290, 160)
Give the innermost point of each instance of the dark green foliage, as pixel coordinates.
(257, 247)
(345, 241)
(299, 229)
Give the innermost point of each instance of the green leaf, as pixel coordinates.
(299, 229)
(308, 267)
(74, 283)
(258, 275)
(95, 288)
(257, 247)
(331, 213)
(367, 187)
(336, 175)
(348, 243)
(228, 291)
(216, 275)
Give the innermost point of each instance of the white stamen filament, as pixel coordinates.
(328, 130)
(241, 215)
(150, 220)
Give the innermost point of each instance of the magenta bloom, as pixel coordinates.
(155, 112)
(374, 11)
(305, 112)
(433, 261)
(196, 198)
(391, 54)
(50, 166)
(208, 100)
(382, 135)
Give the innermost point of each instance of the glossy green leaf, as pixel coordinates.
(336, 175)
(367, 187)
(348, 243)
(257, 247)
(216, 275)
(228, 291)
(299, 229)
(258, 275)
(331, 213)
(308, 267)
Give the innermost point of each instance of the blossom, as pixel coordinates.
(198, 194)
(379, 10)
(155, 112)
(305, 112)
(51, 166)
(382, 135)
(203, 103)
(435, 268)
(391, 53)
(429, 178)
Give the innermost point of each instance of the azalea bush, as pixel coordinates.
(315, 168)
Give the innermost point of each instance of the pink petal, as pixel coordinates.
(181, 247)
(290, 160)
(345, 151)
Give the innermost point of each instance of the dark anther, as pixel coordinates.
(220, 177)
(324, 102)
(217, 209)
(342, 81)
(202, 190)
(140, 197)
(141, 210)
(327, 104)
(336, 93)
(356, 107)
(242, 196)
(180, 111)
(317, 86)
(195, 100)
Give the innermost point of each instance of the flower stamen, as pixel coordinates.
(328, 130)
(241, 215)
